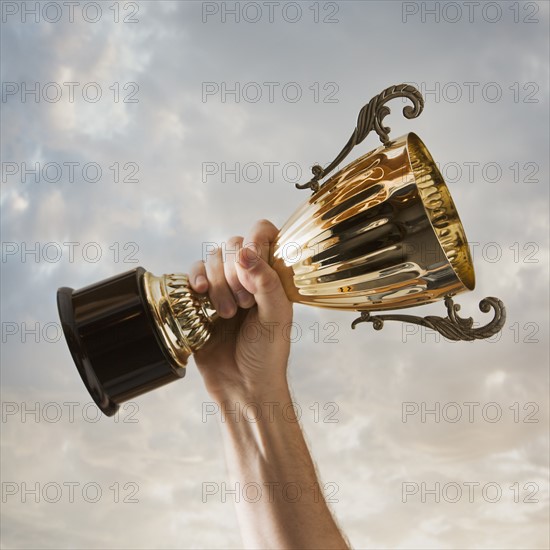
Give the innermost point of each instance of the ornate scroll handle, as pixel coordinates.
(451, 327)
(370, 118)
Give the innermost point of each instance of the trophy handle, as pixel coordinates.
(370, 118)
(451, 327)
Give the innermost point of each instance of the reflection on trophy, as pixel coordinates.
(381, 234)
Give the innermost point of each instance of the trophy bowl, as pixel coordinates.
(381, 234)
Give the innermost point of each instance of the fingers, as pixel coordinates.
(197, 277)
(209, 277)
(218, 276)
(257, 276)
(262, 281)
(239, 275)
(260, 240)
(242, 297)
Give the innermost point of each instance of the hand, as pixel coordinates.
(248, 352)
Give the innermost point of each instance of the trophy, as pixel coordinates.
(381, 234)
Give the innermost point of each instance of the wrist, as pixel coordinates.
(228, 392)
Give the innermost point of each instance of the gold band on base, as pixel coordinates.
(183, 318)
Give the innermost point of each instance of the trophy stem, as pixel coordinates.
(183, 318)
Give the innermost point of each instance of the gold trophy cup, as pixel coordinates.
(381, 234)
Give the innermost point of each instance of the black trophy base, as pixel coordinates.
(113, 340)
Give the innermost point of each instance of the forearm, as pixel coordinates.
(281, 504)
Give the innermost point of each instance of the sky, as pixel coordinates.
(138, 133)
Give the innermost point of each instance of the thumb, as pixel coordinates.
(261, 280)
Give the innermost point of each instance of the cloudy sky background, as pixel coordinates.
(162, 448)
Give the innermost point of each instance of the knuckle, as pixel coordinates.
(268, 281)
(262, 229)
(265, 224)
(252, 250)
(197, 267)
(235, 240)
